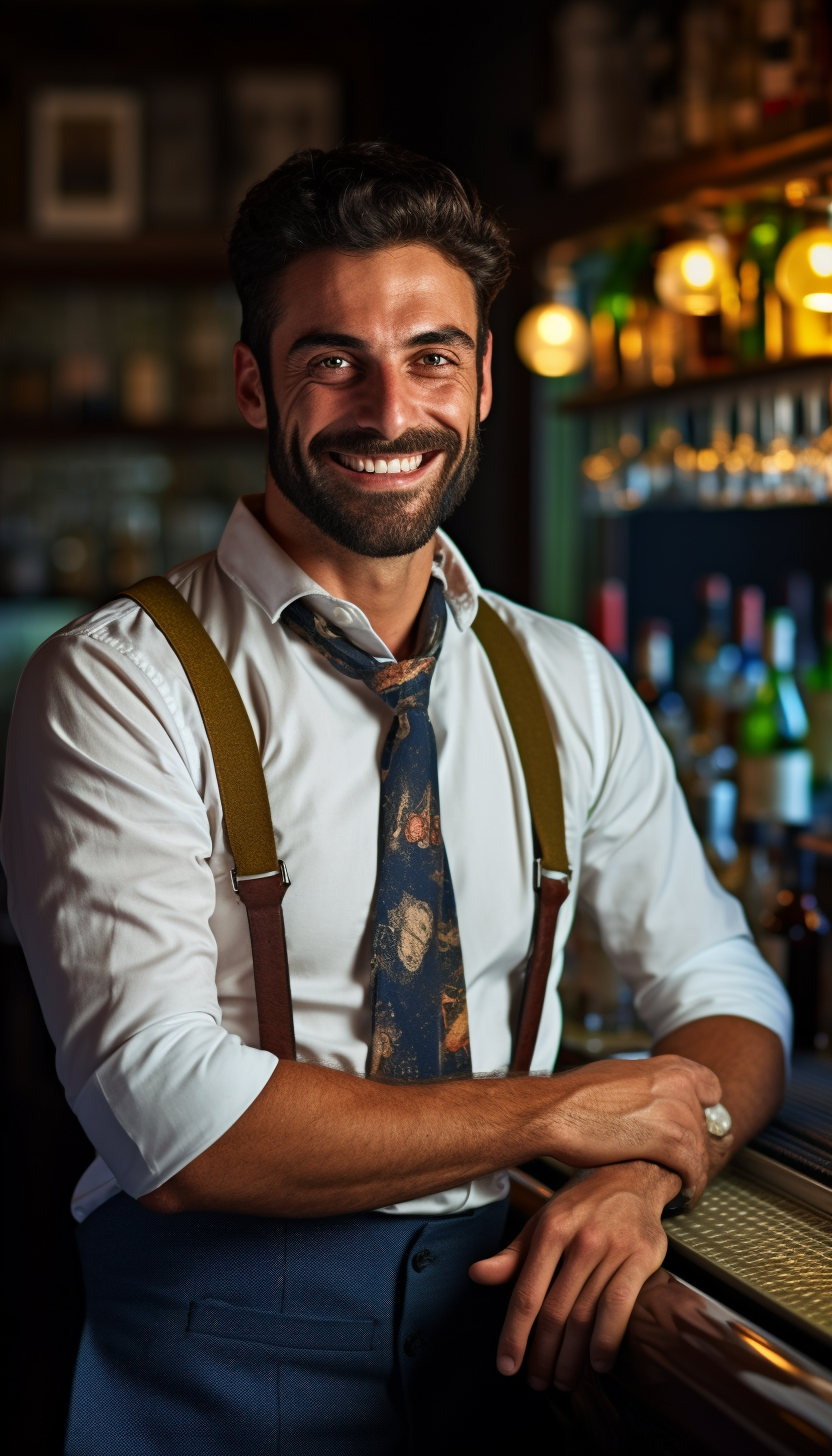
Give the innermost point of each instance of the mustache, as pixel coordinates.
(361, 442)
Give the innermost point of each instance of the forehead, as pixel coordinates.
(402, 289)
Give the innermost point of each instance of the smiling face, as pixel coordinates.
(377, 394)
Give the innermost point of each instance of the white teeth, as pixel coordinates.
(403, 466)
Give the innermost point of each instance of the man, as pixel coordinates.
(276, 1254)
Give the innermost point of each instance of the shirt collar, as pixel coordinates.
(263, 570)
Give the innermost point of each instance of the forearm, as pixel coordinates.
(748, 1060)
(319, 1142)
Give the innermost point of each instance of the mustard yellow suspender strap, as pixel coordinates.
(536, 746)
(261, 879)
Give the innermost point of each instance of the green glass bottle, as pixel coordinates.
(776, 718)
(775, 771)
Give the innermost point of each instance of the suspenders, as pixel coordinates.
(260, 878)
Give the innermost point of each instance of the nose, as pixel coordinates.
(382, 405)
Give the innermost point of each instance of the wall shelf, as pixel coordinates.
(765, 374)
(55, 432)
(153, 257)
(706, 176)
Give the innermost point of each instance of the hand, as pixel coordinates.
(618, 1111)
(580, 1263)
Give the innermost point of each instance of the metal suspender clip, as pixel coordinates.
(538, 873)
(282, 871)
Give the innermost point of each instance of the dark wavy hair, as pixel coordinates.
(355, 199)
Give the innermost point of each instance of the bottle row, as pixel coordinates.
(82, 524)
(140, 356)
(748, 720)
(639, 83)
(755, 450)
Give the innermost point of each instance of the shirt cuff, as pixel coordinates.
(166, 1095)
(728, 979)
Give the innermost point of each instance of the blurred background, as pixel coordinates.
(657, 467)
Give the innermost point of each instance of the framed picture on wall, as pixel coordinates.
(275, 113)
(85, 162)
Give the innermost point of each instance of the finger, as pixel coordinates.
(577, 1334)
(579, 1271)
(528, 1295)
(614, 1309)
(497, 1268)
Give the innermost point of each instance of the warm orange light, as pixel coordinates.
(691, 278)
(553, 340)
(803, 275)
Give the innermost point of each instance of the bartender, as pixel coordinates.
(309, 1256)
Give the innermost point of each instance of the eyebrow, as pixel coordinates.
(349, 341)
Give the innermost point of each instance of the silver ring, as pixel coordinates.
(718, 1120)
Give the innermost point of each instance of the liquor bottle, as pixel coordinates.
(819, 702)
(749, 617)
(711, 662)
(743, 64)
(83, 379)
(608, 617)
(713, 805)
(757, 333)
(775, 771)
(653, 659)
(794, 928)
(798, 597)
(776, 72)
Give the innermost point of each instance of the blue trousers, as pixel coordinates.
(222, 1335)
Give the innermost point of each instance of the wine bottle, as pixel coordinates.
(794, 929)
(775, 771)
(819, 701)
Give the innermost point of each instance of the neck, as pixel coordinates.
(389, 590)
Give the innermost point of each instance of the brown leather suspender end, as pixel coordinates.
(536, 746)
(259, 877)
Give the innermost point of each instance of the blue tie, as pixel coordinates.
(417, 981)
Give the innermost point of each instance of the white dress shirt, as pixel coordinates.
(119, 871)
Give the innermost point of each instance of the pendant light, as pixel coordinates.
(691, 277)
(803, 276)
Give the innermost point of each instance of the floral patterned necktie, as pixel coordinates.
(417, 981)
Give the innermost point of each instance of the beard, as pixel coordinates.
(379, 522)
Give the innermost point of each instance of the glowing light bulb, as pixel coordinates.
(692, 278)
(804, 263)
(698, 268)
(555, 326)
(553, 340)
(820, 259)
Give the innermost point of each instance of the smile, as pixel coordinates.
(383, 464)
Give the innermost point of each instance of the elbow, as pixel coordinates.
(166, 1199)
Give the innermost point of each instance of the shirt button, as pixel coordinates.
(415, 1343)
(421, 1259)
(341, 615)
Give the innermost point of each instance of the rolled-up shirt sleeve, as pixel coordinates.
(107, 849)
(679, 940)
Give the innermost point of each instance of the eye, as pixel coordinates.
(334, 362)
(435, 361)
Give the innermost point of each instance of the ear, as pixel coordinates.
(487, 388)
(251, 400)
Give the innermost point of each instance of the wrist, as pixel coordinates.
(659, 1185)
